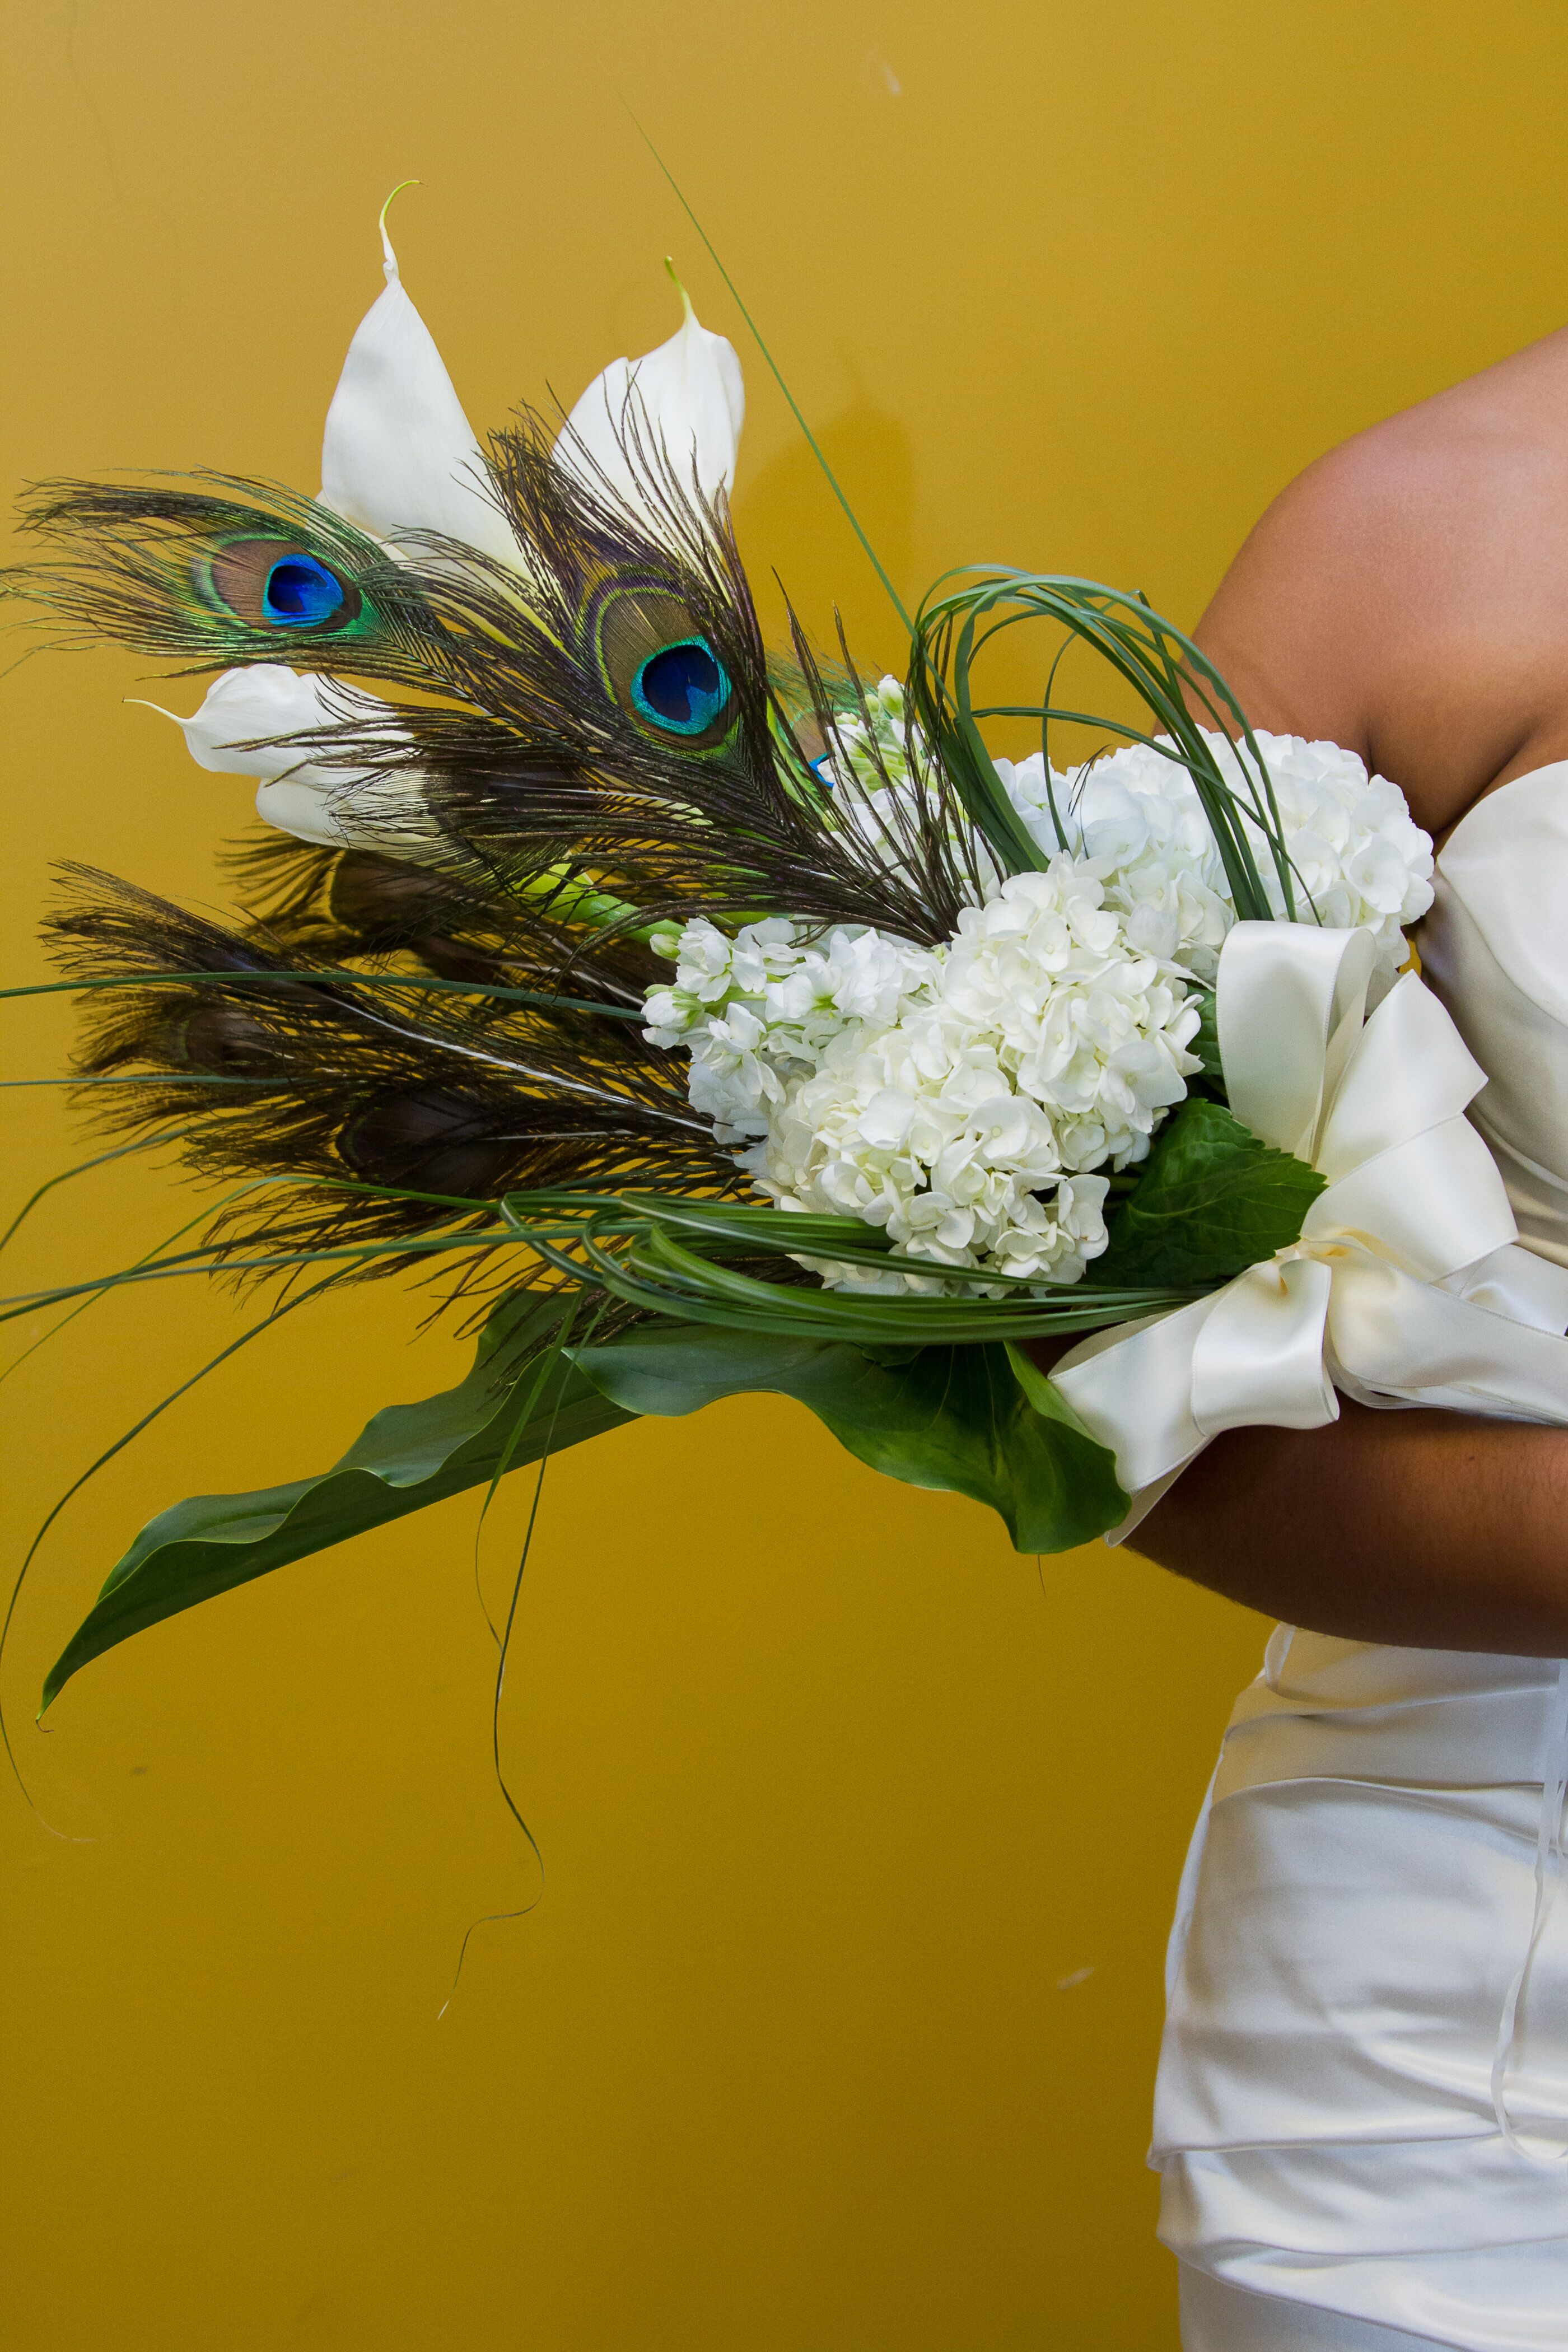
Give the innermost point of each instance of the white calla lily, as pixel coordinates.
(398, 455)
(335, 807)
(686, 401)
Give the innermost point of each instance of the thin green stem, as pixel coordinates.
(777, 374)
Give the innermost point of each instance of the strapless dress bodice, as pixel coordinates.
(1495, 949)
(1363, 1888)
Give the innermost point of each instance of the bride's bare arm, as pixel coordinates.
(1407, 597)
(1428, 1529)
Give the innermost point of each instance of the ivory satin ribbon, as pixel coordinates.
(1407, 1285)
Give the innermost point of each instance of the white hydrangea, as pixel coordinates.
(959, 1098)
(1038, 1050)
(1355, 853)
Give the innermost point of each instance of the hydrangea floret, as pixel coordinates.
(1355, 853)
(1038, 1049)
(760, 1008)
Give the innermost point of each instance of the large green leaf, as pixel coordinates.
(1212, 1200)
(960, 1418)
(522, 1398)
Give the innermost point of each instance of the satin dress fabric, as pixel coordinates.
(1363, 1887)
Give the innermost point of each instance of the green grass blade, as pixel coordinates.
(337, 978)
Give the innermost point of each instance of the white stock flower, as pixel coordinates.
(880, 772)
(686, 401)
(877, 746)
(752, 1010)
(335, 807)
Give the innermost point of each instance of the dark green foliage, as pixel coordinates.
(954, 1418)
(1206, 1045)
(1210, 1202)
(522, 1399)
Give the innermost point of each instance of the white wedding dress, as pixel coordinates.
(1363, 2149)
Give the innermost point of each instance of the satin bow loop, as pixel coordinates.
(1406, 1286)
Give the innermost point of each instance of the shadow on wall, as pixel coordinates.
(789, 523)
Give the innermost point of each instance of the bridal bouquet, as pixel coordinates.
(698, 1021)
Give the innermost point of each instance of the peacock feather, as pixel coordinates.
(219, 576)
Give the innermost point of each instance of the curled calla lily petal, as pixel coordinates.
(398, 454)
(686, 401)
(334, 807)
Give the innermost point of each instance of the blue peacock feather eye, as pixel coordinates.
(300, 593)
(275, 583)
(682, 687)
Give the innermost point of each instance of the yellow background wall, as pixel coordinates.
(838, 1798)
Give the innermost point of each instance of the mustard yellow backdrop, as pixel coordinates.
(831, 2025)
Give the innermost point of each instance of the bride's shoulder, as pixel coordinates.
(1408, 594)
(1463, 471)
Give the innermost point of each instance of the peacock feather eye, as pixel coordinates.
(300, 592)
(277, 584)
(660, 667)
(682, 687)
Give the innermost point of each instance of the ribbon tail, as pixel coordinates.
(1515, 1282)
(1396, 1341)
(1131, 1388)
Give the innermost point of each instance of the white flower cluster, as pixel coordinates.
(877, 747)
(1038, 1049)
(1355, 854)
(958, 1097)
(880, 772)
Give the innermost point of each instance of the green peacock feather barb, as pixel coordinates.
(935, 1060)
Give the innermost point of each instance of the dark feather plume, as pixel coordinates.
(323, 1079)
(564, 768)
